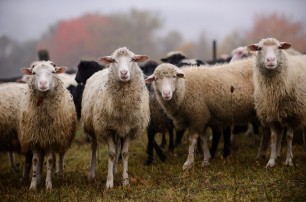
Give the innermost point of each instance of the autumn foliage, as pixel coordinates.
(278, 26)
(70, 39)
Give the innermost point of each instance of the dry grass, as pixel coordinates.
(237, 178)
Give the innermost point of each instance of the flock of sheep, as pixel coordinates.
(115, 105)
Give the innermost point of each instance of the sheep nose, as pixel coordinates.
(43, 83)
(166, 93)
(271, 59)
(123, 72)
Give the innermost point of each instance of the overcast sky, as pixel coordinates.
(28, 19)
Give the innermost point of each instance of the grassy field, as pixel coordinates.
(238, 178)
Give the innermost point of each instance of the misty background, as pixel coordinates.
(74, 30)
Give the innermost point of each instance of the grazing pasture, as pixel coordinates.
(240, 177)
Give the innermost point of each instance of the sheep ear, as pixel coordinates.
(26, 71)
(106, 60)
(60, 70)
(150, 79)
(140, 58)
(284, 45)
(254, 47)
(180, 73)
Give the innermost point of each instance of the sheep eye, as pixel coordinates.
(132, 60)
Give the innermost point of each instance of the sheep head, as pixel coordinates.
(42, 73)
(165, 78)
(269, 52)
(122, 61)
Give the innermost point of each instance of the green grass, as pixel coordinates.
(238, 178)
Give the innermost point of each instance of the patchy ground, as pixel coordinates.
(237, 178)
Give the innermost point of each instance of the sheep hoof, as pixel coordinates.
(33, 186)
(149, 161)
(92, 175)
(205, 163)
(49, 185)
(289, 162)
(186, 165)
(125, 182)
(271, 163)
(109, 184)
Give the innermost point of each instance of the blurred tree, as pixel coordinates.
(170, 42)
(274, 25)
(136, 30)
(203, 48)
(14, 55)
(69, 41)
(279, 26)
(230, 42)
(187, 48)
(94, 35)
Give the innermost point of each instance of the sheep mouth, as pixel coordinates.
(43, 88)
(270, 66)
(167, 97)
(124, 78)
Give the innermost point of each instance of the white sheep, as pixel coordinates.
(47, 118)
(197, 97)
(240, 53)
(115, 107)
(279, 92)
(10, 94)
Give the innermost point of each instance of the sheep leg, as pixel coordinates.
(50, 168)
(164, 141)
(54, 165)
(125, 159)
(171, 143)
(27, 166)
(275, 131)
(289, 137)
(159, 151)
(60, 170)
(41, 157)
(206, 152)
(111, 159)
(304, 139)
(279, 144)
(150, 135)
(264, 143)
(94, 144)
(35, 165)
(118, 150)
(193, 139)
(179, 135)
(216, 134)
(11, 158)
(227, 141)
(250, 129)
